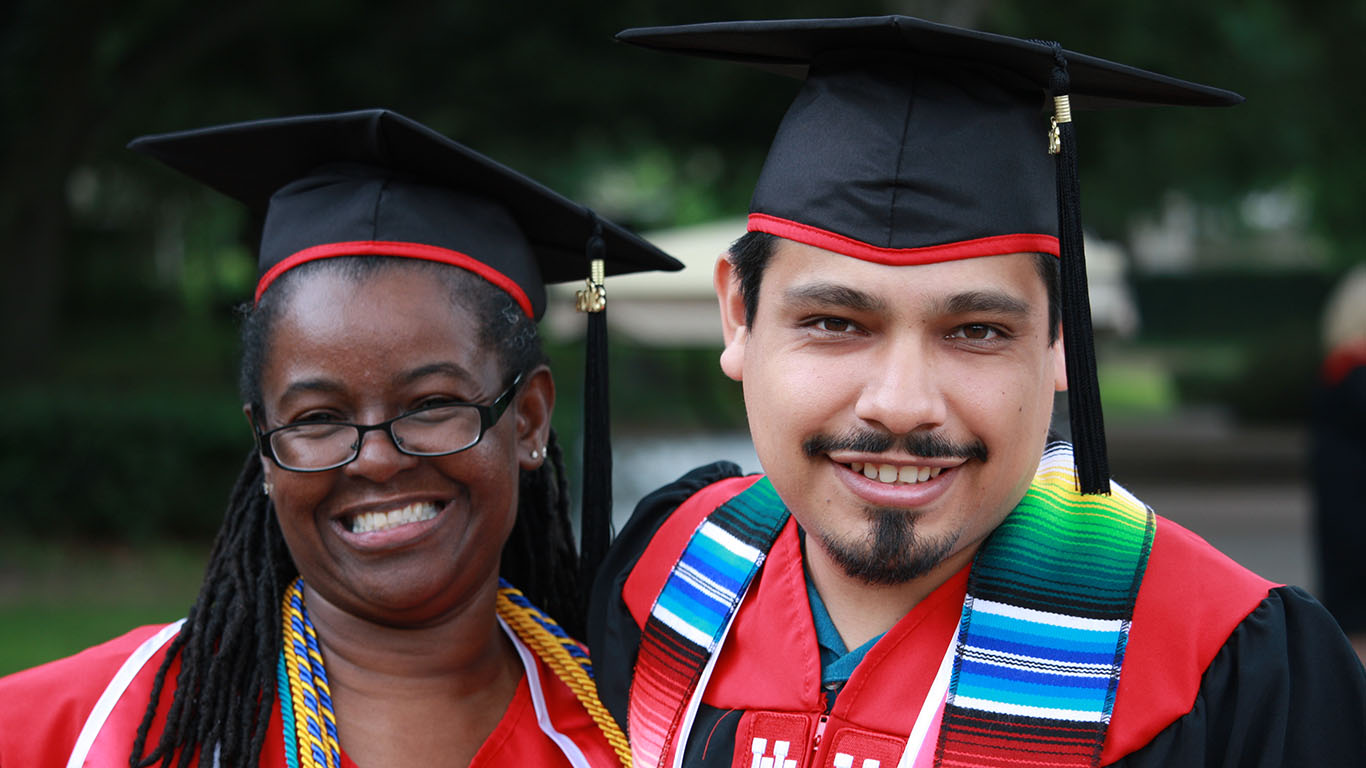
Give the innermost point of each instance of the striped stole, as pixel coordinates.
(692, 613)
(1044, 626)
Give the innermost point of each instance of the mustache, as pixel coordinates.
(928, 445)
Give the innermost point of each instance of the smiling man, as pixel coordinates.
(921, 577)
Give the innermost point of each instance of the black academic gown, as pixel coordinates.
(1281, 686)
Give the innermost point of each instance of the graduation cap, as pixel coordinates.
(912, 142)
(373, 182)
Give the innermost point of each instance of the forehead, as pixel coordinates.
(798, 271)
(378, 321)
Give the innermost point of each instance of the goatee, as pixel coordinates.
(891, 552)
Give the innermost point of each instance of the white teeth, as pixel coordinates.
(887, 473)
(378, 521)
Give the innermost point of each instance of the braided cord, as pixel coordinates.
(565, 658)
(315, 727)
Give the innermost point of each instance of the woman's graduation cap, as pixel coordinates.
(913, 142)
(375, 182)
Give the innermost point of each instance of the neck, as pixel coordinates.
(466, 645)
(862, 611)
(390, 684)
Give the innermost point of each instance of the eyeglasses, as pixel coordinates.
(436, 430)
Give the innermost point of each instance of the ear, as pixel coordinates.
(734, 332)
(535, 402)
(1059, 353)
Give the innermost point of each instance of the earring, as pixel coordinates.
(535, 454)
(265, 487)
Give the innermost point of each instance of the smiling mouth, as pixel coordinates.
(368, 522)
(892, 474)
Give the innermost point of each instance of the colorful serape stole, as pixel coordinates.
(1044, 626)
(693, 611)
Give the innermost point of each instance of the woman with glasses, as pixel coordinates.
(352, 613)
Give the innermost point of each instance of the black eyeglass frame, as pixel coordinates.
(488, 417)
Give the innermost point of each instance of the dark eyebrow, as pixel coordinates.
(312, 385)
(321, 384)
(993, 302)
(432, 369)
(834, 295)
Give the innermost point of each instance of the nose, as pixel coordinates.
(379, 459)
(902, 392)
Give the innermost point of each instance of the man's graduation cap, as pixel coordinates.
(913, 142)
(374, 182)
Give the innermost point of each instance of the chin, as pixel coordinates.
(892, 552)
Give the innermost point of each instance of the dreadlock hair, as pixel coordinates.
(230, 642)
(752, 251)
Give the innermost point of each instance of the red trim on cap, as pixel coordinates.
(902, 257)
(401, 250)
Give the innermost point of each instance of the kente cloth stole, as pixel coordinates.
(1040, 642)
(692, 613)
(1044, 626)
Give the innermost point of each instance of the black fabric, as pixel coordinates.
(381, 176)
(787, 47)
(1275, 696)
(897, 152)
(613, 637)
(1337, 464)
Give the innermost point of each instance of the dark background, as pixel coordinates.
(117, 341)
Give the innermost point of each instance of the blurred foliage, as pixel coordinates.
(57, 598)
(116, 311)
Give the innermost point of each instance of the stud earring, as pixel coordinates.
(265, 487)
(535, 454)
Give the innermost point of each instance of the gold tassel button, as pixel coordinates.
(1062, 113)
(593, 297)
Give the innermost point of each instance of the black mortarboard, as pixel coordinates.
(913, 142)
(373, 182)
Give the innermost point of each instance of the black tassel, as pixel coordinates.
(596, 521)
(1083, 388)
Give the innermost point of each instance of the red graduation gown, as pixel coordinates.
(44, 710)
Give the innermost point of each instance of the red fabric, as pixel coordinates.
(43, 709)
(1342, 361)
(758, 733)
(775, 622)
(1192, 598)
(901, 257)
(406, 250)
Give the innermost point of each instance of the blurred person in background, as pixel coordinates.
(923, 576)
(1337, 458)
(353, 612)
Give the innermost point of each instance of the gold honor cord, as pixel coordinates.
(314, 728)
(530, 625)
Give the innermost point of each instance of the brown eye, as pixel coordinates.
(975, 332)
(834, 325)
